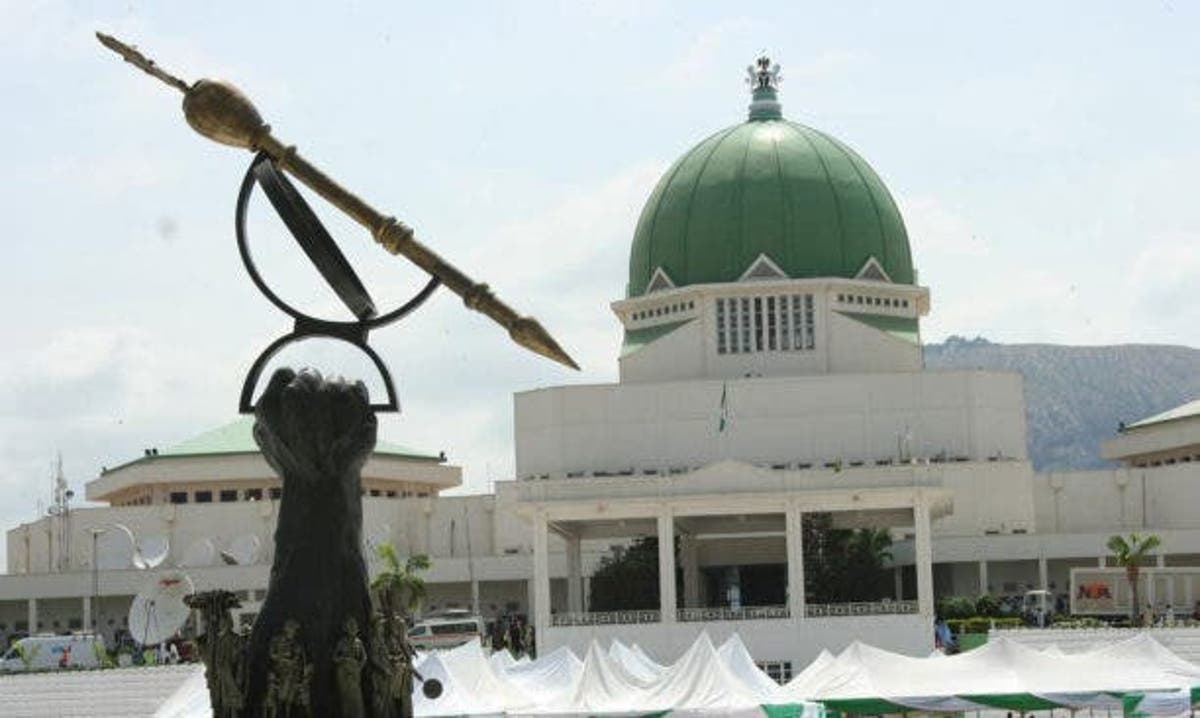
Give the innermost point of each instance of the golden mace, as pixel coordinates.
(220, 112)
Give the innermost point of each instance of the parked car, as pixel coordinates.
(43, 652)
(447, 630)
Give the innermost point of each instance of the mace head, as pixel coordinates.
(220, 112)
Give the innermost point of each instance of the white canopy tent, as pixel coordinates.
(622, 680)
(1136, 675)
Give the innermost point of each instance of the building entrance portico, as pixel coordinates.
(730, 560)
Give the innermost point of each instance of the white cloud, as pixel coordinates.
(700, 58)
(828, 63)
(1162, 288)
(933, 228)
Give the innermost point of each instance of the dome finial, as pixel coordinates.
(764, 79)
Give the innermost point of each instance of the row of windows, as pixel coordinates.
(665, 310)
(872, 301)
(393, 494)
(773, 323)
(225, 495)
(275, 492)
(1187, 459)
(778, 671)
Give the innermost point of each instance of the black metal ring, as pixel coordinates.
(246, 401)
(312, 237)
(329, 260)
(243, 242)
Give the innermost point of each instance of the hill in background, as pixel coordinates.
(1076, 396)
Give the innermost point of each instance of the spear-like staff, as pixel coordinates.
(220, 112)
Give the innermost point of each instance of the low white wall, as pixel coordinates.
(768, 640)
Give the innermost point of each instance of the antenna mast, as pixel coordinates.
(60, 506)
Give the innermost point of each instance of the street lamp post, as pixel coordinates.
(95, 582)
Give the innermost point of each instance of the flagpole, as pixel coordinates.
(723, 423)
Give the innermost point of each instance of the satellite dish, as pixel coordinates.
(200, 553)
(243, 550)
(158, 611)
(114, 548)
(152, 551)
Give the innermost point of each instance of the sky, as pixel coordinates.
(1043, 155)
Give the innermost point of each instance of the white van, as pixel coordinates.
(450, 629)
(77, 650)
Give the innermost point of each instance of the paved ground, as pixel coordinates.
(92, 693)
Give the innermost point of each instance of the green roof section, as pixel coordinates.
(635, 339)
(1183, 411)
(774, 187)
(903, 328)
(237, 437)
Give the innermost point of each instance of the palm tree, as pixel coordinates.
(872, 546)
(867, 551)
(400, 588)
(1129, 554)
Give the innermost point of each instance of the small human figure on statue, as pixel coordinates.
(230, 665)
(349, 657)
(289, 677)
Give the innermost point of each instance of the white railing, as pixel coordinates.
(865, 608)
(746, 613)
(602, 618)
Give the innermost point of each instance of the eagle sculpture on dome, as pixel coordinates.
(762, 75)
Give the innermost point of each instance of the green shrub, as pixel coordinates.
(982, 624)
(950, 607)
(1079, 622)
(28, 653)
(987, 605)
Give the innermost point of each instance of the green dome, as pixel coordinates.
(774, 187)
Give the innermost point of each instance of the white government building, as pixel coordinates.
(771, 367)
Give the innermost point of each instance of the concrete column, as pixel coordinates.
(689, 559)
(541, 575)
(531, 599)
(1102, 561)
(794, 532)
(574, 574)
(1043, 573)
(87, 614)
(32, 616)
(983, 578)
(923, 555)
(587, 593)
(898, 580)
(1160, 560)
(666, 565)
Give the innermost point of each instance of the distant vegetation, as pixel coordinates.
(1075, 397)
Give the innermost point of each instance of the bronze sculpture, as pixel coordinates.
(220, 111)
(304, 656)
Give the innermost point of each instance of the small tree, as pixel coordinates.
(400, 588)
(1129, 554)
(628, 579)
